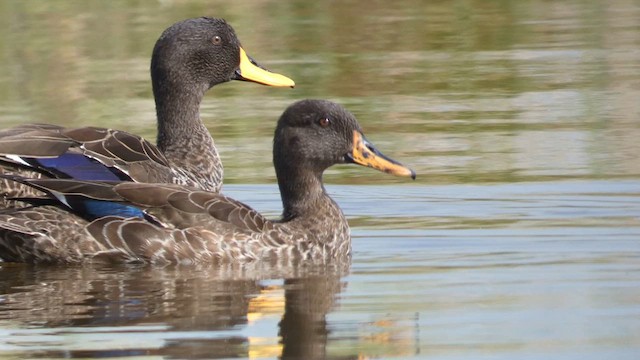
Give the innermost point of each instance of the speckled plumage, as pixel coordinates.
(189, 58)
(186, 225)
(232, 233)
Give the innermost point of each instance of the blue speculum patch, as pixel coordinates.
(76, 166)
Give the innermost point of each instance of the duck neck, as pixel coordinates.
(178, 111)
(303, 195)
(182, 136)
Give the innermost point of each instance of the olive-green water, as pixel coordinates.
(520, 238)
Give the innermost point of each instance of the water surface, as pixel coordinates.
(519, 239)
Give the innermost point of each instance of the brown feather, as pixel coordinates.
(192, 225)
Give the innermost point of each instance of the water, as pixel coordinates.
(519, 239)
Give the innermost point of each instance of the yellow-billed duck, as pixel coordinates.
(165, 223)
(188, 59)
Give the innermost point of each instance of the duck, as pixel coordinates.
(189, 58)
(84, 220)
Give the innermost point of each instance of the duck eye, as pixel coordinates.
(324, 122)
(216, 40)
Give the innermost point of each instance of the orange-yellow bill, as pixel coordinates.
(250, 71)
(365, 154)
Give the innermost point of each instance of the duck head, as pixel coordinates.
(313, 135)
(203, 52)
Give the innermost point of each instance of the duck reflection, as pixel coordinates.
(176, 312)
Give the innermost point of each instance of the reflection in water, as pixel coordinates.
(199, 312)
(467, 92)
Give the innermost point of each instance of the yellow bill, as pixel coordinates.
(365, 154)
(249, 70)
